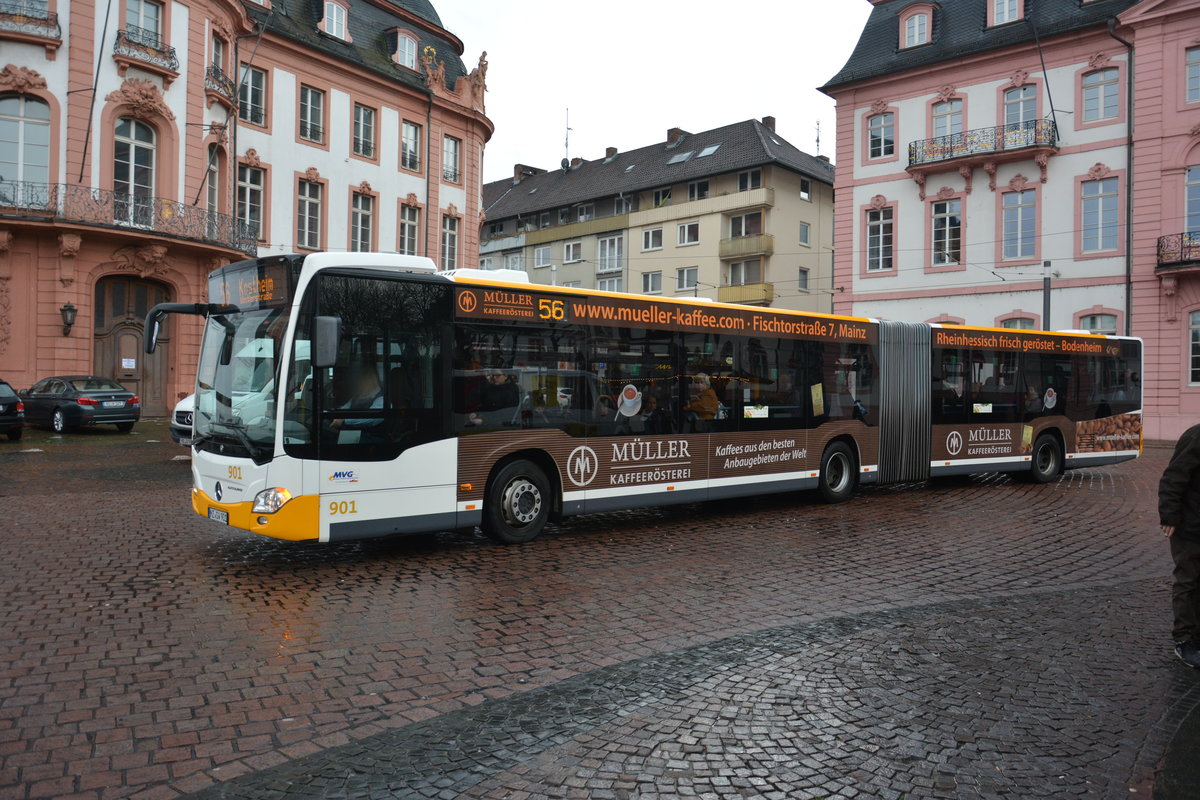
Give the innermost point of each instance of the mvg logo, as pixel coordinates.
(344, 476)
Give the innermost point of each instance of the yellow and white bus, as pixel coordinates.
(350, 395)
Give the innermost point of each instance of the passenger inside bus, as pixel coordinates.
(367, 395)
(703, 405)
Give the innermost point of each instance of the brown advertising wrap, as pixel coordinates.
(957, 442)
(547, 308)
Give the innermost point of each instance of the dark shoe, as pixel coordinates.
(1189, 653)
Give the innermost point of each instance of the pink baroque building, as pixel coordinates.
(980, 139)
(143, 145)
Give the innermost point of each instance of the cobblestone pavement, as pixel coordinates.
(982, 637)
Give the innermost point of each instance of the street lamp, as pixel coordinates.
(69, 312)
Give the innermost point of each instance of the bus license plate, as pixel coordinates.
(220, 515)
(113, 403)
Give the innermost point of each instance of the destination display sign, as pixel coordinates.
(1026, 342)
(254, 286)
(515, 304)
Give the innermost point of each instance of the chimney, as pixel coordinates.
(609, 152)
(823, 158)
(575, 162)
(523, 171)
(769, 123)
(675, 136)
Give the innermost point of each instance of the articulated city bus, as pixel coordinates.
(350, 395)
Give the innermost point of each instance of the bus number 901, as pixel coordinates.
(339, 507)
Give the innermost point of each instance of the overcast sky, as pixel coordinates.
(630, 69)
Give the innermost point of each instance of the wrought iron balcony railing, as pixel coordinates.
(364, 147)
(89, 206)
(32, 17)
(216, 80)
(1178, 248)
(450, 174)
(145, 45)
(984, 141)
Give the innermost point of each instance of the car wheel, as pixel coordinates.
(517, 504)
(58, 421)
(15, 434)
(839, 473)
(1047, 460)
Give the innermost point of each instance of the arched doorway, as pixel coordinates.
(120, 317)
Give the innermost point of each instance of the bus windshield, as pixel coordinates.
(236, 384)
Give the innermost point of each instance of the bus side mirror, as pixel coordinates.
(327, 335)
(152, 330)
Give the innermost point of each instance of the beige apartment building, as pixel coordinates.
(736, 214)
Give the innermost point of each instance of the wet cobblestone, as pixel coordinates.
(976, 638)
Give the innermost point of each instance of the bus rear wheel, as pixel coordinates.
(839, 473)
(517, 504)
(1047, 461)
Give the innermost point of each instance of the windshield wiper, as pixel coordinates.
(239, 430)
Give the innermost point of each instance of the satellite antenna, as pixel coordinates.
(566, 162)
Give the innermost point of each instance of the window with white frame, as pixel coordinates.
(881, 135)
(143, 22)
(805, 189)
(449, 242)
(1099, 215)
(745, 225)
(652, 239)
(805, 234)
(410, 217)
(585, 212)
(250, 199)
(802, 280)
(252, 96)
(135, 153)
(1191, 199)
(24, 142)
(308, 215)
(1099, 323)
(451, 154)
(212, 183)
(1004, 11)
(609, 254)
(948, 117)
(1020, 105)
(743, 273)
(697, 190)
(662, 197)
(916, 30)
(1193, 74)
(514, 260)
(622, 205)
(541, 256)
(406, 51)
(609, 284)
(1018, 323)
(686, 278)
(652, 282)
(572, 252)
(1019, 224)
(486, 262)
(312, 114)
(410, 146)
(947, 232)
(564, 216)
(362, 222)
(335, 19)
(544, 220)
(1100, 94)
(572, 284)
(879, 239)
(750, 179)
(689, 233)
(1194, 326)
(218, 53)
(364, 131)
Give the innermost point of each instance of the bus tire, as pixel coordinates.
(517, 504)
(1046, 464)
(839, 473)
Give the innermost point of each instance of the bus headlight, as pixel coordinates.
(268, 501)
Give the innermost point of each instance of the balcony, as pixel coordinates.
(1178, 251)
(759, 244)
(30, 21)
(83, 205)
(219, 87)
(757, 294)
(139, 47)
(727, 203)
(984, 147)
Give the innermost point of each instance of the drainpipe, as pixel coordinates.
(1112, 31)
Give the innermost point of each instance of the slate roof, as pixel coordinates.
(960, 29)
(742, 145)
(369, 47)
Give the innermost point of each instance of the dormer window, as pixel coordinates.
(916, 25)
(1002, 12)
(406, 51)
(334, 22)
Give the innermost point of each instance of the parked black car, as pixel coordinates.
(69, 401)
(12, 412)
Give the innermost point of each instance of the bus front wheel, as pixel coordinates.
(839, 474)
(517, 504)
(1047, 461)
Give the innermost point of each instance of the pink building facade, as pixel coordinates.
(980, 139)
(142, 148)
